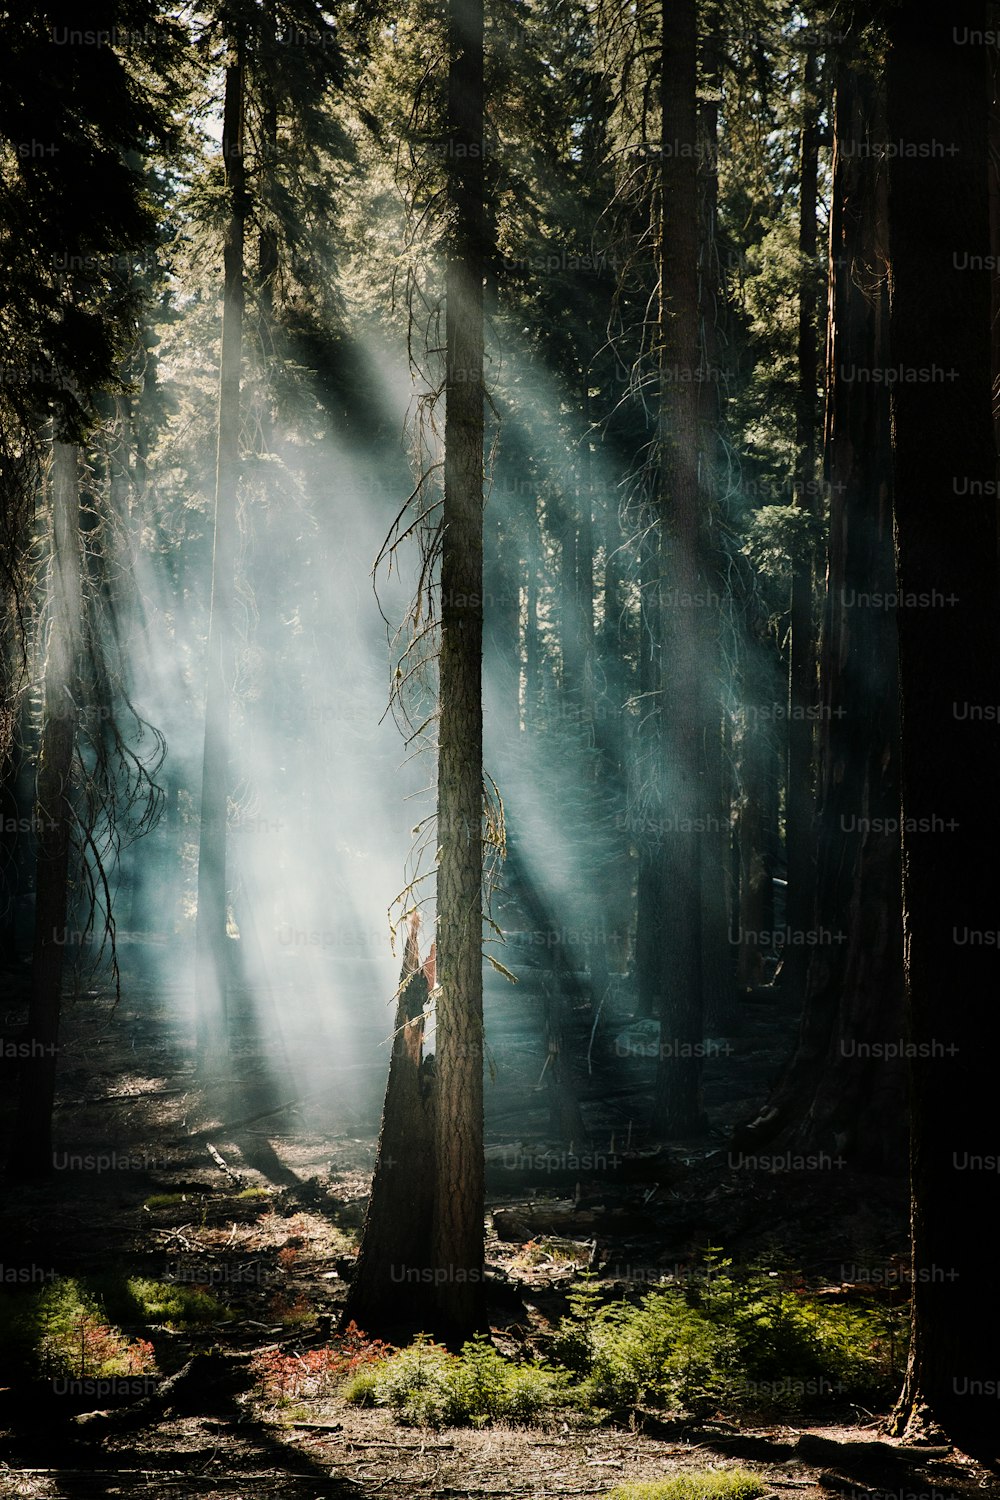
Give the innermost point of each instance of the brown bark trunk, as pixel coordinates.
(799, 809)
(458, 1214)
(843, 1090)
(31, 1144)
(944, 465)
(684, 587)
(211, 944)
(718, 987)
(646, 818)
(391, 1292)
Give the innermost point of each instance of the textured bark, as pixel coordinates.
(647, 832)
(458, 1236)
(211, 939)
(718, 988)
(799, 808)
(840, 1091)
(757, 758)
(31, 1143)
(944, 464)
(684, 587)
(390, 1293)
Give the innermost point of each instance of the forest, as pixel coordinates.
(499, 746)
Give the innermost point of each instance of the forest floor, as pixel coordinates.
(160, 1176)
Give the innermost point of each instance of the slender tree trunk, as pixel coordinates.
(532, 644)
(799, 808)
(458, 1214)
(718, 988)
(211, 961)
(31, 1146)
(944, 462)
(757, 757)
(650, 932)
(684, 599)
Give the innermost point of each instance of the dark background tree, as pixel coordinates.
(946, 562)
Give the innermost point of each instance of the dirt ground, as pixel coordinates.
(260, 1200)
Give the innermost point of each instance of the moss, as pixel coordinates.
(696, 1484)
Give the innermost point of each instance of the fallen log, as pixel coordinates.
(520, 1222)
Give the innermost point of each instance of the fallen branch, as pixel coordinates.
(233, 1176)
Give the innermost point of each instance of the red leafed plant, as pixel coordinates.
(316, 1371)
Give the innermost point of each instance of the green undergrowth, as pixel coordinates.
(720, 1341)
(426, 1386)
(727, 1341)
(95, 1326)
(697, 1484)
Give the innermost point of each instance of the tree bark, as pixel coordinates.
(458, 1235)
(31, 1144)
(211, 943)
(391, 1292)
(841, 1091)
(944, 464)
(718, 987)
(684, 589)
(799, 809)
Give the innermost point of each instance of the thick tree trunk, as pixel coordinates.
(391, 1292)
(211, 954)
(844, 1090)
(458, 1213)
(944, 463)
(684, 587)
(31, 1146)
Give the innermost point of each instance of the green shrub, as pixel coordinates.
(61, 1330)
(661, 1352)
(178, 1306)
(738, 1342)
(426, 1386)
(696, 1484)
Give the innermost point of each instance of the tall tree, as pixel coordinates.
(31, 1147)
(458, 1211)
(799, 801)
(944, 468)
(211, 960)
(683, 588)
(840, 1092)
(75, 125)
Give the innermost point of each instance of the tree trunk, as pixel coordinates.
(31, 1145)
(718, 987)
(844, 1088)
(799, 809)
(212, 944)
(391, 1292)
(944, 465)
(458, 1213)
(684, 588)
(647, 831)
(532, 655)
